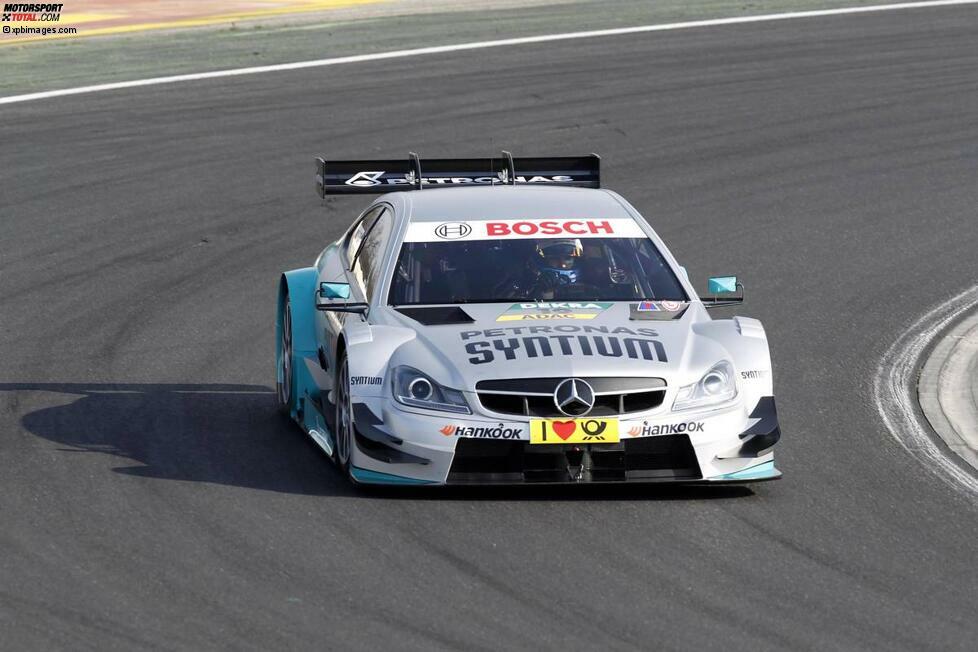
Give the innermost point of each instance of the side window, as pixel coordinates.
(355, 238)
(368, 263)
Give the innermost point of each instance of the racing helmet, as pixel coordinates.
(560, 257)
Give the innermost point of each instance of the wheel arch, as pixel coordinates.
(299, 286)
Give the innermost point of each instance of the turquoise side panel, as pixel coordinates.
(302, 292)
(761, 471)
(311, 416)
(301, 284)
(376, 477)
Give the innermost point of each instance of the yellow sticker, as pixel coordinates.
(573, 431)
(508, 316)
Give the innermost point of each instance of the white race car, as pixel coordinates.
(505, 321)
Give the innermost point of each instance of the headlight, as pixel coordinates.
(411, 387)
(716, 386)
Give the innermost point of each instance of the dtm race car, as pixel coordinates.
(505, 320)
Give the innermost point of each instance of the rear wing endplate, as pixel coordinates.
(372, 177)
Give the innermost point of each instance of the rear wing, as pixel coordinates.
(372, 177)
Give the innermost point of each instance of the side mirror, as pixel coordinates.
(334, 290)
(331, 298)
(718, 284)
(723, 285)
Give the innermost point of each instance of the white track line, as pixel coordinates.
(478, 45)
(895, 390)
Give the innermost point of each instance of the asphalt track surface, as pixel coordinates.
(150, 496)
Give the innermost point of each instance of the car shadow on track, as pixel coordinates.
(232, 434)
(217, 433)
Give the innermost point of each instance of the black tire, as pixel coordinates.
(343, 417)
(284, 389)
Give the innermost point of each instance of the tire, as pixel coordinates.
(343, 417)
(286, 387)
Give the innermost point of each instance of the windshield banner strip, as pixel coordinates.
(518, 229)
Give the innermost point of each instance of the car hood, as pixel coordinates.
(570, 340)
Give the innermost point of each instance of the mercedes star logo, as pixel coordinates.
(574, 397)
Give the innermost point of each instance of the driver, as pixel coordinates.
(559, 260)
(549, 265)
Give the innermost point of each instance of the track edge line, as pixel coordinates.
(476, 45)
(895, 391)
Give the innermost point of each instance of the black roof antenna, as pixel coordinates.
(509, 174)
(414, 174)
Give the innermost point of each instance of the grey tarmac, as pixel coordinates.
(151, 497)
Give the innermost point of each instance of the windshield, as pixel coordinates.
(533, 269)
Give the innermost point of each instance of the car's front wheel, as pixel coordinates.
(285, 368)
(344, 416)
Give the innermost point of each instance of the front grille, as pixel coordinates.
(534, 397)
(488, 461)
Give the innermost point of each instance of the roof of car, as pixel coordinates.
(511, 202)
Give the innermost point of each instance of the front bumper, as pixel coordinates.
(665, 458)
(402, 447)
